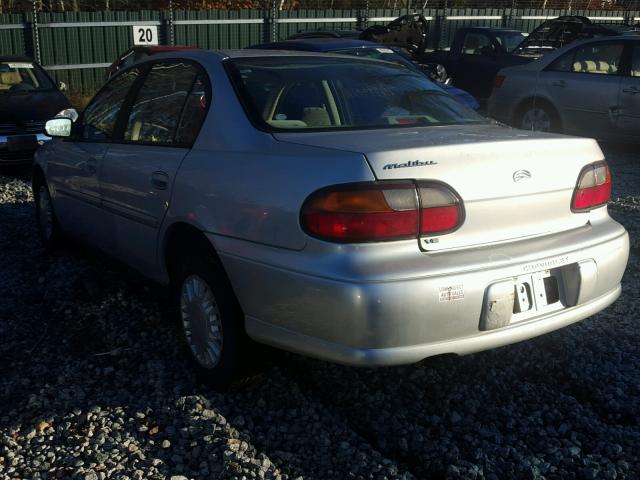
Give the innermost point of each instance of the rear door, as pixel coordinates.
(161, 124)
(629, 115)
(583, 85)
(75, 164)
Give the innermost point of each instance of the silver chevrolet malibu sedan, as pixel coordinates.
(337, 207)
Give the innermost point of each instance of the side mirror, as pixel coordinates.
(62, 86)
(58, 127)
(68, 113)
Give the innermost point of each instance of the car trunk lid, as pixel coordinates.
(513, 184)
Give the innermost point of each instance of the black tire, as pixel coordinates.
(49, 229)
(538, 116)
(234, 358)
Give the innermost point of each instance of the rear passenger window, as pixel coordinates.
(603, 59)
(158, 114)
(99, 118)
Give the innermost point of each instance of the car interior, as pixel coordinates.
(17, 78)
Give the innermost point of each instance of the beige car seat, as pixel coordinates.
(9, 79)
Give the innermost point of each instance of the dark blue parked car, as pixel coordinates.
(363, 48)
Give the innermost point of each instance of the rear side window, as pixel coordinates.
(599, 58)
(100, 116)
(159, 112)
(603, 59)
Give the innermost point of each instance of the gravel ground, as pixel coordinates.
(92, 387)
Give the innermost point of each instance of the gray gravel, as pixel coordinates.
(92, 387)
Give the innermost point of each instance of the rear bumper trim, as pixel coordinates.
(340, 353)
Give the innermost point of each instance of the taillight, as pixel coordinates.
(381, 211)
(499, 80)
(441, 210)
(593, 188)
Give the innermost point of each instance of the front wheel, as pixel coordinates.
(539, 118)
(211, 322)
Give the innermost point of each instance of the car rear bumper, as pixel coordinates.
(403, 311)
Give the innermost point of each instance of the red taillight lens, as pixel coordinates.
(379, 212)
(441, 209)
(499, 80)
(593, 188)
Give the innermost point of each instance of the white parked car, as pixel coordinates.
(341, 208)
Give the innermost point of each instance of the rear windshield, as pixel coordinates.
(510, 41)
(378, 53)
(21, 77)
(311, 93)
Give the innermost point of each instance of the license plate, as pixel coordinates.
(535, 291)
(22, 142)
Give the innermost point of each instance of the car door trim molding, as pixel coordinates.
(80, 196)
(129, 214)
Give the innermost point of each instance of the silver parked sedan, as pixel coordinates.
(341, 208)
(589, 88)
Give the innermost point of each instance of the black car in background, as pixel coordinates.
(28, 98)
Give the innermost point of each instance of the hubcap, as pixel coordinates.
(201, 321)
(45, 212)
(536, 119)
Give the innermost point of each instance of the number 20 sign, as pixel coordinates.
(145, 35)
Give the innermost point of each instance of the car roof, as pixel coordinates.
(15, 58)
(494, 29)
(324, 44)
(326, 34)
(201, 54)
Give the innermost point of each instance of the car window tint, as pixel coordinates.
(635, 62)
(100, 116)
(158, 106)
(194, 110)
(603, 59)
(474, 42)
(563, 63)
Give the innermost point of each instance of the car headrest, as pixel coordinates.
(316, 117)
(10, 78)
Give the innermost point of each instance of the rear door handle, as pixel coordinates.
(159, 180)
(559, 83)
(91, 166)
(631, 90)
